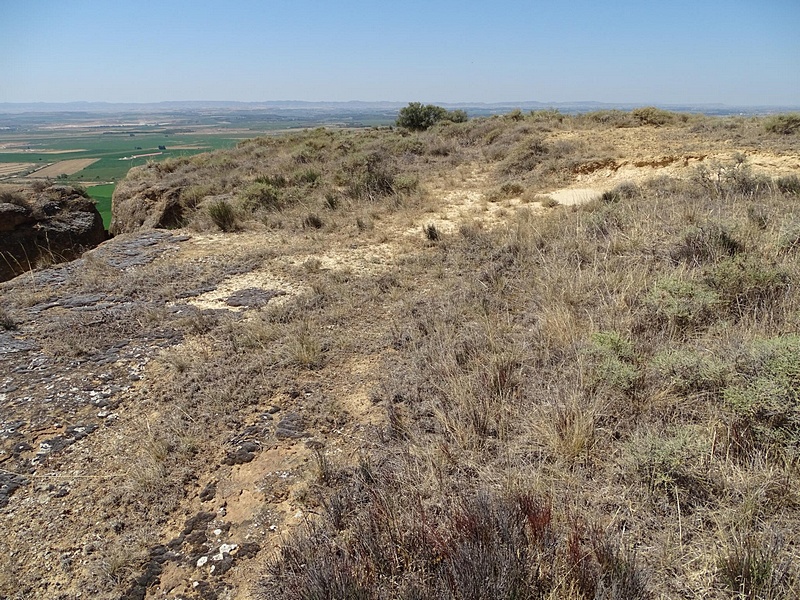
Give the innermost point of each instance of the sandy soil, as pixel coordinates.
(67, 167)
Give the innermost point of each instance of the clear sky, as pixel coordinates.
(741, 52)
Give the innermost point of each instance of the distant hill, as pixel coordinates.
(361, 106)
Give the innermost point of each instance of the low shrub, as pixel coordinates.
(689, 372)
(613, 362)
(650, 115)
(473, 547)
(707, 243)
(312, 221)
(786, 124)
(681, 307)
(432, 232)
(765, 390)
(747, 284)
(625, 190)
(223, 215)
(788, 184)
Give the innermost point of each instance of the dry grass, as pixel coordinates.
(591, 401)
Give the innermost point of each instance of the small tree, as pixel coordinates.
(419, 117)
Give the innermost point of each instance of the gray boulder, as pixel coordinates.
(51, 226)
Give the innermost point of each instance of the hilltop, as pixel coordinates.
(530, 355)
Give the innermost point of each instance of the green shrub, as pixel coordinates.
(690, 372)
(682, 307)
(261, 195)
(784, 124)
(276, 181)
(223, 215)
(650, 115)
(747, 284)
(668, 461)
(308, 177)
(613, 362)
(372, 178)
(419, 117)
(765, 393)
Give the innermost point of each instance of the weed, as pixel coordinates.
(304, 348)
(750, 568)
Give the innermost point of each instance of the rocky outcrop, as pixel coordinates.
(55, 225)
(139, 204)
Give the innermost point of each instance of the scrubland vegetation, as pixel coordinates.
(580, 402)
(591, 402)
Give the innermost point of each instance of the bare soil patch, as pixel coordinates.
(65, 167)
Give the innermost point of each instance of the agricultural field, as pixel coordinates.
(97, 150)
(14, 168)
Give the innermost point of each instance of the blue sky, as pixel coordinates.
(728, 51)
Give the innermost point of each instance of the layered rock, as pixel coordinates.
(51, 226)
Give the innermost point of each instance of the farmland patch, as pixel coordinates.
(67, 167)
(7, 169)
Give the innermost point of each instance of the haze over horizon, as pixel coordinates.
(727, 52)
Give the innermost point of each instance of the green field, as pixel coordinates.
(125, 140)
(112, 150)
(101, 194)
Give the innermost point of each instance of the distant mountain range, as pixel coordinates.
(359, 106)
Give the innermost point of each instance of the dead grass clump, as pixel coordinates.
(707, 243)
